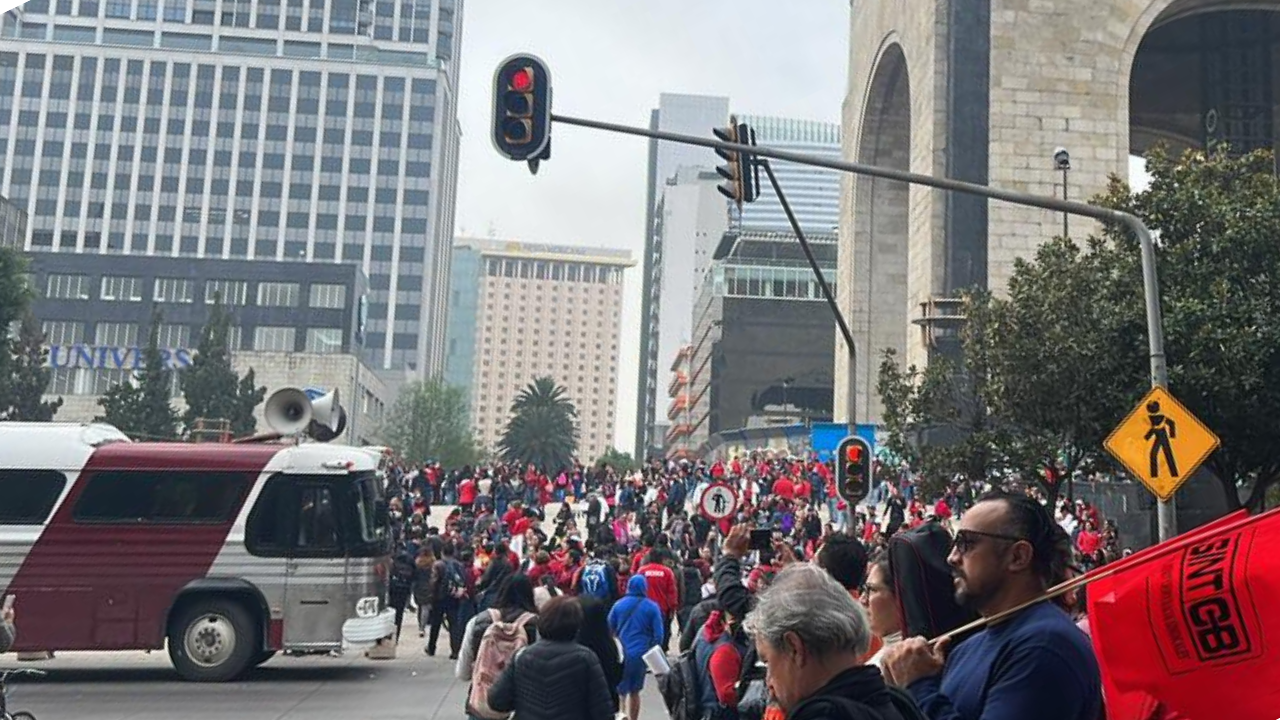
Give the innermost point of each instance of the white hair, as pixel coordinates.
(804, 599)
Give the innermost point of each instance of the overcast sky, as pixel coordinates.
(610, 60)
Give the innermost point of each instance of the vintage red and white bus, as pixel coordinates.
(224, 553)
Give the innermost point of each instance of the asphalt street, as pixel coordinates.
(141, 686)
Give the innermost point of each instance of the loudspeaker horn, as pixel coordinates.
(328, 417)
(288, 411)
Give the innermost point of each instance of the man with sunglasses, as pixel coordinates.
(1035, 664)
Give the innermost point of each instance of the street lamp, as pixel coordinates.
(1062, 161)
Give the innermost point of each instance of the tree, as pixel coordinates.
(28, 378)
(1217, 217)
(428, 422)
(542, 430)
(15, 296)
(142, 407)
(1064, 355)
(210, 385)
(621, 462)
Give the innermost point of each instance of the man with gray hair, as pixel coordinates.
(813, 635)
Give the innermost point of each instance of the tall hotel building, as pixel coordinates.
(521, 311)
(321, 131)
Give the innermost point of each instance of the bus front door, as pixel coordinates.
(316, 572)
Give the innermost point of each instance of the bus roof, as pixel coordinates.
(69, 445)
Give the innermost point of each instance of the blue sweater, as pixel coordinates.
(1037, 666)
(636, 620)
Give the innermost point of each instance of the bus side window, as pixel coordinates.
(270, 525)
(317, 519)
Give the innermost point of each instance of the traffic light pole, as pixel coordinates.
(1150, 283)
(850, 512)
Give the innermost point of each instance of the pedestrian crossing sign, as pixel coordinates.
(1161, 443)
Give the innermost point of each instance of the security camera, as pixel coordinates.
(1061, 159)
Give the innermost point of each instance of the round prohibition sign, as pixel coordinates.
(719, 501)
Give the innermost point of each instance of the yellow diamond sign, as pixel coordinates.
(1161, 443)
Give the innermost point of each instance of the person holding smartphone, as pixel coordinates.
(7, 631)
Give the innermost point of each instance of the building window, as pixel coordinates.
(125, 289)
(230, 292)
(328, 296)
(174, 290)
(173, 336)
(116, 334)
(62, 332)
(233, 337)
(324, 341)
(273, 339)
(67, 287)
(278, 294)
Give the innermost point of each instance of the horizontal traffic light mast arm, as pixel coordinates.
(1151, 286)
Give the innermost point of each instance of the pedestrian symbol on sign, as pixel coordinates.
(1161, 443)
(719, 501)
(1163, 429)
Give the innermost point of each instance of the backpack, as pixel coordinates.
(679, 688)
(402, 571)
(594, 581)
(498, 647)
(452, 584)
(923, 582)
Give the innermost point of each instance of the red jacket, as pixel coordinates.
(784, 488)
(662, 586)
(466, 492)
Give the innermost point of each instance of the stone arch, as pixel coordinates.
(881, 225)
(1200, 70)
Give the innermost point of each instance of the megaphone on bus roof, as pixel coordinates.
(288, 411)
(328, 418)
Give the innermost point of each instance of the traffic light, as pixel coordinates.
(522, 109)
(740, 170)
(853, 469)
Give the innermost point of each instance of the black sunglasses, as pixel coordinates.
(966, 540)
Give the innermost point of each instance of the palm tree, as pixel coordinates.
(541, 431)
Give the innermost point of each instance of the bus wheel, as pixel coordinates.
(262, 656)
(212, 640)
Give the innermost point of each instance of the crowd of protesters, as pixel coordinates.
(569, 616)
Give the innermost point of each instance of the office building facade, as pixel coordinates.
(763, 335)
(691, 115)
(538, 311)
(295, 324)
(275, 131)
(13, 225)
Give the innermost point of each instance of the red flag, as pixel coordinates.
(1187, 619)
(1135, 704)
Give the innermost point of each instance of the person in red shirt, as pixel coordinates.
(514, 513)
(663, 590)
(1088, 541)
(804, 490)
(466, 493)
(784, 488)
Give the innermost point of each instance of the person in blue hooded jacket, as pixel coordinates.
(637, 623)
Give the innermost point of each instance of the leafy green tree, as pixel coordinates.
(142, 407)
(1218, 219)
(1064, 355)
(28, 377)
(542, 430)
(15, 296)
(210, 385)
(429, 422)
(621, 462)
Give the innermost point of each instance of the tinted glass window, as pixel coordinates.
(317, 519)
(162, 497)
(27, 496)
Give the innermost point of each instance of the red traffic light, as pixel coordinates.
(522, 80)
(853, 453)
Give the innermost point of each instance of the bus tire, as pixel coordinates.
(212, 640)
(262, 656)
(23, 715)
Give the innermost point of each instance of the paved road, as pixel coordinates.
(141, 686)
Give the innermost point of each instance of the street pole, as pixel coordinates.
(1150, 283)
(830, 297)
(1065, 216)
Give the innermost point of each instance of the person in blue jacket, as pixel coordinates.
(637, 623)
